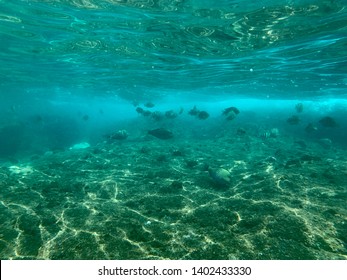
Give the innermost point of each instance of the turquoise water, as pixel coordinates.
(281, 48)
(173, 129)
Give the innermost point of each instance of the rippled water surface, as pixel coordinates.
(268, 47)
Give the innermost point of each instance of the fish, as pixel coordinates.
(293, 120)
(157, 116)
(272, 133)
(119, 135)
(299, 107)
(328, 122)
(139, 110)
(149, 105)
(231, 113)
(145, 113)
(203, 115)
(265, 135)
(310, 128)
(231, 109)
(194, 111)
(161, 133)
(231, 116)
(220, 176)
(241, 131)
(170, 114)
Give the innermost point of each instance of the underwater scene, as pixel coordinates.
(173, 129)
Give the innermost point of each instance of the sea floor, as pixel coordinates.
(154, 199)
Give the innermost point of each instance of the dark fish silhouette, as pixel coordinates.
(230, 113)
(119, 135)
(194, 111)
(299, 107)
(293, 120)
(240, 131)
(145, 113)
(231, 116)
(157, 116)
(149, 105)
(139, 110)
(203, 115)
(161, 133)
(170, 114)
(328, 122)
(310, 128)
(85, 117)
(231, 109)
